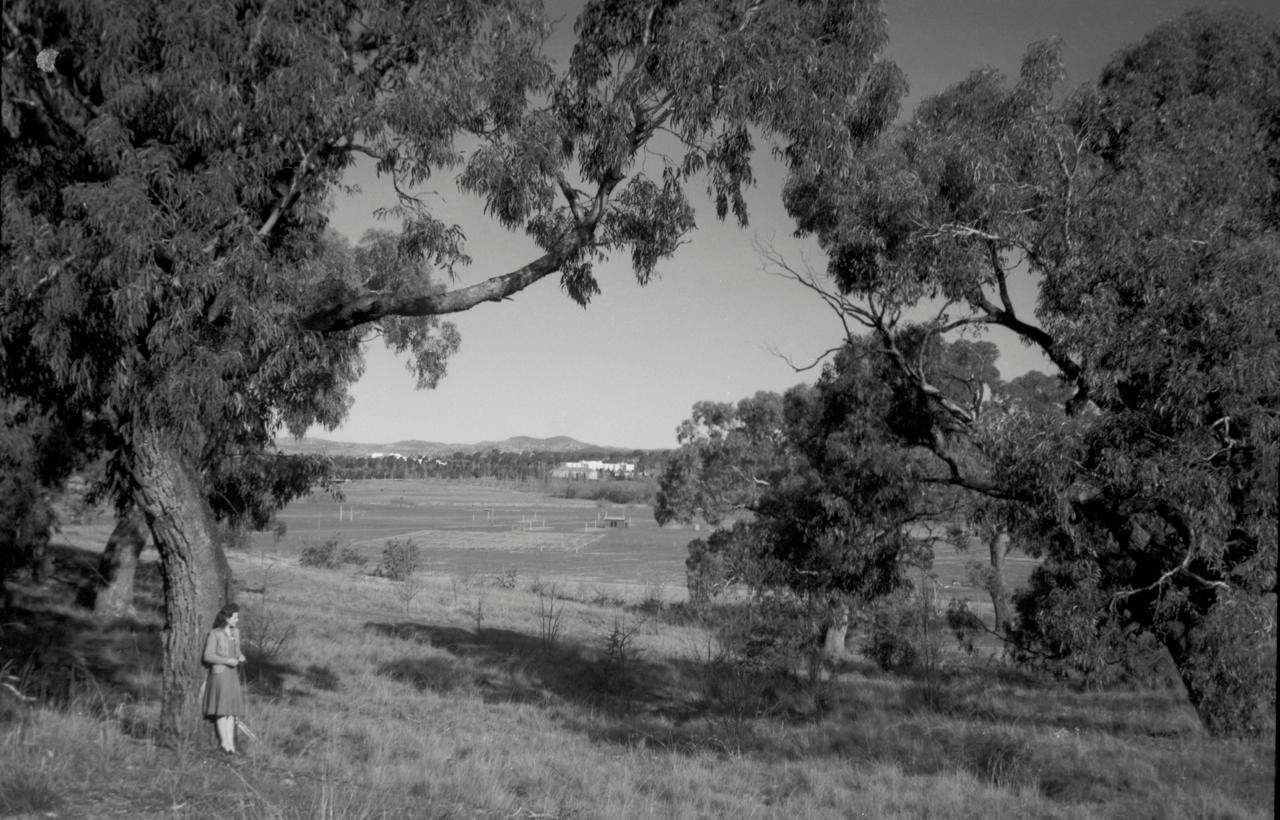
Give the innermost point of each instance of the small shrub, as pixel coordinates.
(268, 636)
(613, 676)
(550, 612)
(903, 636)
(407, 589)
(400, 559)
(327, 555)
(619, 642)
(507, 579)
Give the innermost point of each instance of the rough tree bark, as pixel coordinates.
(192, 564)
(998, 544)
(110, 593)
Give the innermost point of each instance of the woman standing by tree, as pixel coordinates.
(223, 700)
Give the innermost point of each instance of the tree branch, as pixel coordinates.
(295, 188)
(799, 368)
(371, 307)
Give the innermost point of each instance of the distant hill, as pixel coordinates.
(515, 444)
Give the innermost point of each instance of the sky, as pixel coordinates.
(714, 324)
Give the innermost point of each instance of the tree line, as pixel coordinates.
(174, 297)
(498, 465)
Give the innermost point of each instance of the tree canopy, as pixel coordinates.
(821, 491)
(168, 274)
(1144, 209)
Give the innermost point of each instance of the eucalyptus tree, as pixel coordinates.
(727, 455)
(166, 167)
(817, 495)
(1143, 209)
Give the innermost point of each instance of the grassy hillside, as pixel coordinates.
(507, 693)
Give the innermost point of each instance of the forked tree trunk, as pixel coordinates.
(192, 564)
(110, 594)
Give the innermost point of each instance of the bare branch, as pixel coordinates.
(1166, 577)
(371, 307)
(821, 357)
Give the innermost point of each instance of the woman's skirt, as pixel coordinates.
(222, 694)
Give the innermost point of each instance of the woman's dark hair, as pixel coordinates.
(224, 614)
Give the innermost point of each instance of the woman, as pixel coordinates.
(223, 702)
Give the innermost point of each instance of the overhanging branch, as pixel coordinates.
(372, 307)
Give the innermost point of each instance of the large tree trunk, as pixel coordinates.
(1226, 661)
(998, 544)
(110, 594)
(193, 566)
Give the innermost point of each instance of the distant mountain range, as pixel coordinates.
(516, 444)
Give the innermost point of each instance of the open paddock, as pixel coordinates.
(468, 529)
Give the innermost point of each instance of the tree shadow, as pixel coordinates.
(63, 655)
(264, 674)
(502, 665)
(995, 696)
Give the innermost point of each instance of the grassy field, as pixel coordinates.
(476, 529)
(467, 529)
(563, 689)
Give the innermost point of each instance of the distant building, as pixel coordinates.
(594, 470)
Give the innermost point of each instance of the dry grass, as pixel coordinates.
(364, 710)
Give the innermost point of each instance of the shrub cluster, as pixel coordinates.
(613, 492)
(892, 636)
(400, 559)
(328, 555)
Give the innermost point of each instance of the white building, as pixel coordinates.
(592, 470)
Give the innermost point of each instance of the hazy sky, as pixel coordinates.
(714, 325)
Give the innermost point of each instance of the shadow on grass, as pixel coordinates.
(509, 666)
(1008, 732)
(992, 696)
(61, 654)
(265, 675)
